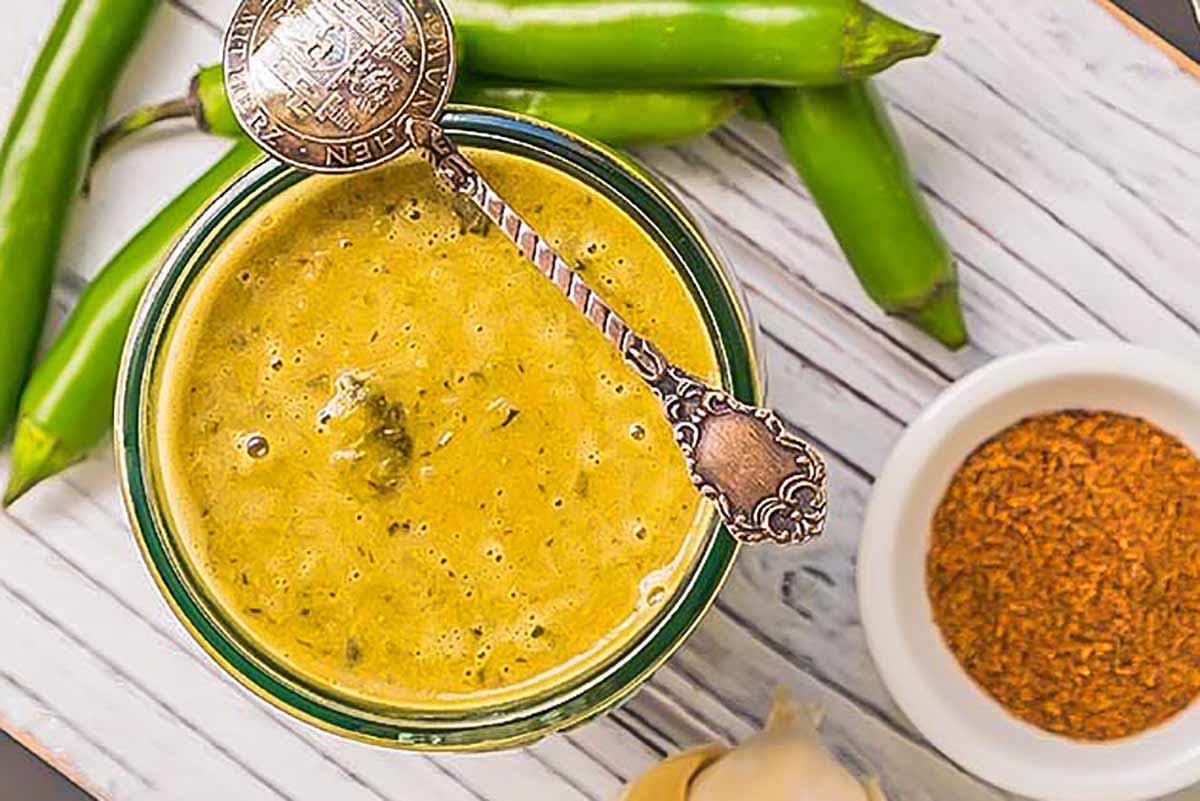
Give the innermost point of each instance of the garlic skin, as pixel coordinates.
(786, 761)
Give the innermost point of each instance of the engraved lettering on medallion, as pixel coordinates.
(239, 90)
(259, 121)
(240, 31)
(386, 139)
(428, 94)
(337, 155)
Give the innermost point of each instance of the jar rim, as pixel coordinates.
(512, 723)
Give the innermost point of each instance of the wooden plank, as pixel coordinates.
(33, 722)
(1041, 133)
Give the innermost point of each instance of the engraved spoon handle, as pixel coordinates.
(768, 484)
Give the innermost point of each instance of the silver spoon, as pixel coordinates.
(344, 85)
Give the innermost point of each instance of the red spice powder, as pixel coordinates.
(1064, 572)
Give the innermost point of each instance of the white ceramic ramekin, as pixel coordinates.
(919, 670)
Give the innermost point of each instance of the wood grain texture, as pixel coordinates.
(1054, 147)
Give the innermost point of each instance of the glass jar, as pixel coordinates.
(499, 726)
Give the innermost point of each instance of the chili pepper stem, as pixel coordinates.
(875, 41)
(36, 455)
(137, 120)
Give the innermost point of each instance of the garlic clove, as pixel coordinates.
(669, 780)
(786, 761)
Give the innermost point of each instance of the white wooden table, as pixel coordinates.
(1060, 154)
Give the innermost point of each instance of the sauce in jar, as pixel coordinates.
(402, 463)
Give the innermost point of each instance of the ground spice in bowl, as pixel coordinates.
(1064, 572)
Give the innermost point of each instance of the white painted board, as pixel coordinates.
(1060, 155)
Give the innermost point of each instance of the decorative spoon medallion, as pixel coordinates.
(344, 85)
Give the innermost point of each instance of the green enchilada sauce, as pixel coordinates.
(402, 463)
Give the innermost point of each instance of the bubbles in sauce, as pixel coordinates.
(257, 446)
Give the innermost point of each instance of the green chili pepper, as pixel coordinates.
(615, 116)
(42, 162)
(687, 43)
(848, 153)
(67, 405)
